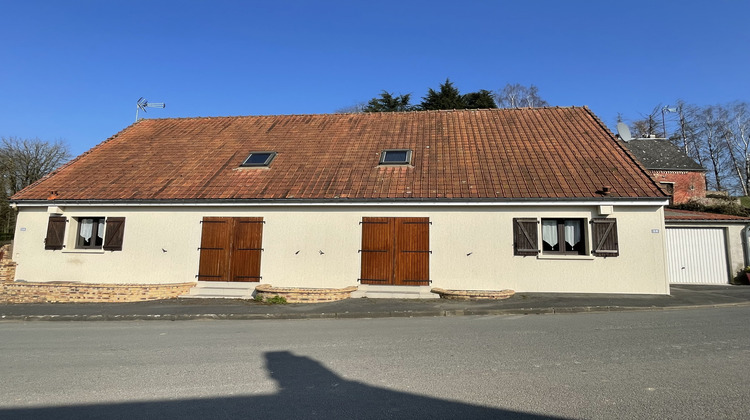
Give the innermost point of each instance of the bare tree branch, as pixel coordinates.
(23, 162)
(516, 96)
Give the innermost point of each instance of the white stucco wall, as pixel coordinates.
(737, 259)
(484, 231)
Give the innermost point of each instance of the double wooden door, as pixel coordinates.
(231, 248)
(395, 251)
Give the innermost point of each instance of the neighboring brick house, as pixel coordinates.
(678, 174)
(536, 200)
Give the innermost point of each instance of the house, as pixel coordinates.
(681, 176)
(533, 200)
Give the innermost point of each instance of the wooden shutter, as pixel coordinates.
(246, 248)
(114, 233)
(412, 265)
(377, 250)
(215, 247)
(55, 232)
(604, 238)
(525, 237)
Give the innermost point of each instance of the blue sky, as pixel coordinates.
(74, 69)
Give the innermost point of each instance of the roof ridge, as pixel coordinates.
(208, 117)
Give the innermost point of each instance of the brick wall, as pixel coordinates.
(7, 266)
(23, 292)
(687, 184)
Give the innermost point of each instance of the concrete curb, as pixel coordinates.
(360, 315)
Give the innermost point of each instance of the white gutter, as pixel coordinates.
(550, 203)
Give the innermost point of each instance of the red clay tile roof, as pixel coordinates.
(466, 154)
(685, 215)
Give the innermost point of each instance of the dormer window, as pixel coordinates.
(259, 159)
(395, 157)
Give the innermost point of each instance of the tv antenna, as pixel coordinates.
(664, 120)
(142, 104)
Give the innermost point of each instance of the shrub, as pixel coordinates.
(276, 300)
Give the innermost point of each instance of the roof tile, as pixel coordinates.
(688, 215)
(661, 154)
(462, 154)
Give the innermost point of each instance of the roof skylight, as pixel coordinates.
(395, 157)
(259, 159)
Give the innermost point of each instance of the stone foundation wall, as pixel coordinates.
(304, 295)
(473, 294)
(7, 266)
(22, 292)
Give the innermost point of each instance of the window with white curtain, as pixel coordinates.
(563, 236)
(90, 232)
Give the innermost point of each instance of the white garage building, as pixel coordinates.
(704, 248)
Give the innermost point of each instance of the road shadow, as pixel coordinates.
(307, 390)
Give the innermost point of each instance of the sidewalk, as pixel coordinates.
(682, 297)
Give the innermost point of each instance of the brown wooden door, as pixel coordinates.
(231, 249)
(395, 251)
(246, 249)
(412, 267)
(215, 249)
(377, 250)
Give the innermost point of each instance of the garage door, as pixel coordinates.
(697, 256)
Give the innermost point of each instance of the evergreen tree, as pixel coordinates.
(447, 98)
(480, 100)
(389, 103)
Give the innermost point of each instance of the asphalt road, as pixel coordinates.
(688, 364)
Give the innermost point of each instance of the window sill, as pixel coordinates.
(395, 165)
(565, 257)
(82, 251)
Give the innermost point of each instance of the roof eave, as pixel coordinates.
(350, 201)
(677, 169)
(707, 221)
